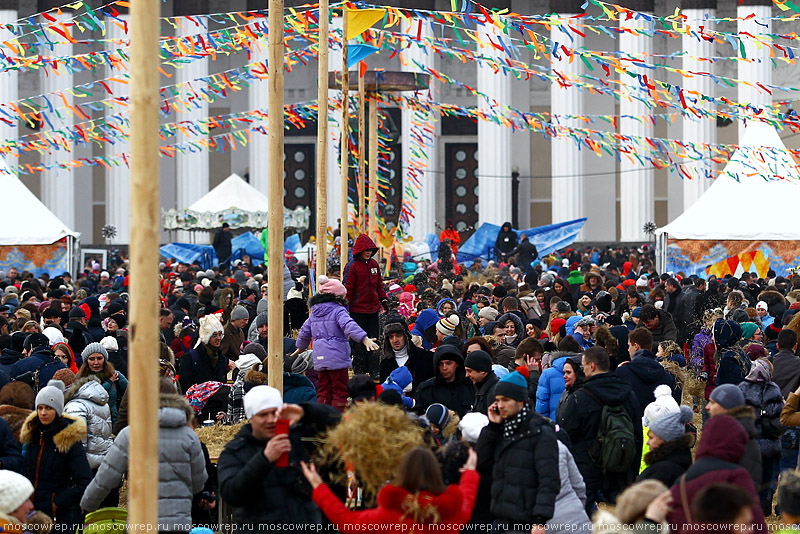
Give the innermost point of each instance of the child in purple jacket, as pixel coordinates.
(331, 326)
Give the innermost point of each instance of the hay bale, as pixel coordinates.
(371, 438)
(217, 436)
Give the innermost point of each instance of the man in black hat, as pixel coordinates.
(76, 333)
(478, 368)
(222, 246)
(362, 388)
(40, 363)
(449, 386)
(398, 350)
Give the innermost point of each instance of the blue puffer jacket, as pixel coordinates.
(551, 385)
(331, 326)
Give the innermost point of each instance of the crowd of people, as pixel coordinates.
(575, 391)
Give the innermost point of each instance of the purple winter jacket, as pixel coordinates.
(330, 325)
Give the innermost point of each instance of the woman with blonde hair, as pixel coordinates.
(418, 497)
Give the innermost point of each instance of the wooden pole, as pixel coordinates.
(344, 155)
(322, 140)
(145, 225)
(362, 152)
(275, 195)
(372, 219)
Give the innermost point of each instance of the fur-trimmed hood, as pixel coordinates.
(679, 451)
(746, 416)
(89, 388)
(73, 430)
(15, 417)
(167, 414)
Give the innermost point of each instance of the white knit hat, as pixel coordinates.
(15, 489)
(663, 405)
(471, 425)
(261, 398)
(208, 325)
(247, 362)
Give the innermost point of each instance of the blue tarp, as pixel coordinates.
(249, 244)
(432, 240)
(245, 243)
(189, 253)
(292, 243)
(546, 238)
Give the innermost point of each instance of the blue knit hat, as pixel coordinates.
(514, 385)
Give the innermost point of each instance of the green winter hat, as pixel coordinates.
(748, 329)
(575, 278)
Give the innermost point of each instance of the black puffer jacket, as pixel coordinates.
(484, 394)
(457, 395)
(644, 374)
(767, 403)
(525, 477)
(262, 493)
(668, 462)
(581, 420)
(55, 462)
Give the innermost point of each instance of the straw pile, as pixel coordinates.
(371, 438)
(217, 436)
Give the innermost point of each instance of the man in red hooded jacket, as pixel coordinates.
(365, 294)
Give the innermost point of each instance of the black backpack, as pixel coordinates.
(614, 448)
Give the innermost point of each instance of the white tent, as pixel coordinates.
(233, 192)
(33, 239)
(34, 224)
(768, 181)
(754, 199)
(233, 201)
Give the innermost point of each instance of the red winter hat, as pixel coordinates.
(410, 288)
(556, 324)
(629, 282)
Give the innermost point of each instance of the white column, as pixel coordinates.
(494, 140)
(637, 200)
(258, 98)
(758, 66)
(8, 82)
(425, 205)
(191, 167)
(567, 163)
(118, 178)
(58, 185)
(334, 132)
(698, 130)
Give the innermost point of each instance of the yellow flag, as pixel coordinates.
(360, 20)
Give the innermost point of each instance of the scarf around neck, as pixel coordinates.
(511, 426)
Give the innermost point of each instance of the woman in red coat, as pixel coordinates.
(420, 497)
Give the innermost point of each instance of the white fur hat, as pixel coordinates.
(110, 343)
(471, 425)
(208, 325)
